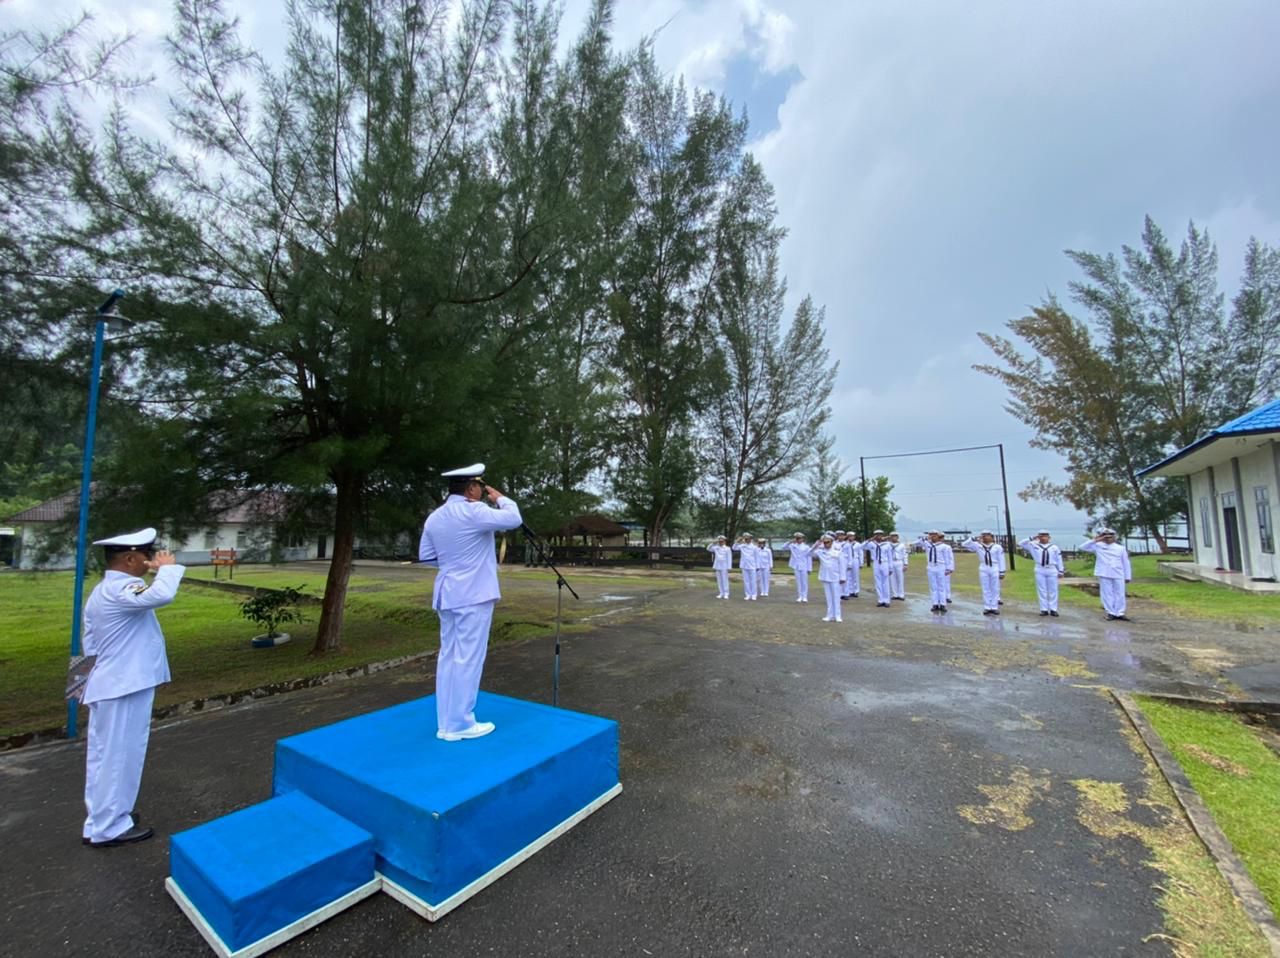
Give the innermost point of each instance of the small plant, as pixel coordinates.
(270, 608)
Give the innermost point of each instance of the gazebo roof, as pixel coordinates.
(591, 525)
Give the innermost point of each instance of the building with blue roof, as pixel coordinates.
(1233, 486)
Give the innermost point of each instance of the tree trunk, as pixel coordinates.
(329, 632)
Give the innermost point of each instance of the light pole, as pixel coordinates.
(100, 320)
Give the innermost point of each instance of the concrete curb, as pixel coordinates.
(1219, 846)
(57, 736)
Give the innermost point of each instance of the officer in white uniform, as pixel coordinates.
(940, 563)
(900, 560)
(122, 632)
(1049, 569)
(801, 563)
(880, 552)
(831, 572)
(458, 538)
(991, 568)
(1111, 566)
(747, 555)
(721, 562)
(764, 565)
(854, 551)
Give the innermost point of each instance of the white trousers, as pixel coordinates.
(802, 585)
(832, 589)
(464, 642)
(853, 579)
(722, 581)
(1112, 594)
(884, 583)
(990, 582)
(937, 585)
(899, 581)
(764, 581)
(1047, 588)
(117, 748)
(750, 582)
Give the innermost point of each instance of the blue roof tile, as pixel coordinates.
(1264, 417)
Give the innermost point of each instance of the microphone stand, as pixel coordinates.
(561, 585)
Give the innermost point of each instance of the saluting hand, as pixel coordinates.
(162, 557)
(493, 494)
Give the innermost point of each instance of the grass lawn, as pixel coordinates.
(208, 640)
(1238, 777)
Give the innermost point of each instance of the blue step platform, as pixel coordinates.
(448, 818)
(257, 877)
(377, 802)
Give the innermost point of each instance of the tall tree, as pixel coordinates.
(874, 511)
(1157, 366)
(814, 500)
(770, 404)
(687, 148)
(329, 253)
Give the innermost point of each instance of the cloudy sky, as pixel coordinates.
(932, 160)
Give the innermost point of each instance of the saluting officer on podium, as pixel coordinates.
(458, 538)
(122, 633)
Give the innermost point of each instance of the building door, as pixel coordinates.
(324, 541)
(1231, 532)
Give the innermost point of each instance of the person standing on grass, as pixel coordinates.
(123, 635)
(747, 556)
(1111, 566)
(1049, 569)
(801, 563)
(900, 560)
(764, 565)
(991, 568)
(831, 572)
(458, 538)
(880, 552)
(721, 562)
(853, 550)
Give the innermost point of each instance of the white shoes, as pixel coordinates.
(838, 619)
(826, 618)
(476, 731)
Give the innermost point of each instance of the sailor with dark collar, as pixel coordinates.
(458, 537)
(123, 635)
(940, 562)
(880, 553)
(991, 568)
(1049, 568)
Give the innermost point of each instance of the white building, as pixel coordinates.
(1233, 477)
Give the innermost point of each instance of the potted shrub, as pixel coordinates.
(269, 609)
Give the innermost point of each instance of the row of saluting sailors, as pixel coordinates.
(841, 556)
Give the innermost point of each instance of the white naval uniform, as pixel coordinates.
(939, 559)
(721, 562)
(1049, 567)
(801, 563)
(1111, 566)
(121, 629)
(990, 568)
(764, 567)
(881, 556)
(458, 537)
(831, 570)
(747, 553)
(899, 578)
(853, 584)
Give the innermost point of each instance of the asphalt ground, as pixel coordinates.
(896, 784)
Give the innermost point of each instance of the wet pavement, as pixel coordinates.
(896, 784)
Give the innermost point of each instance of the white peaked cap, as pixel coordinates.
(795, 535)
(130, 540)
(466, 472)
(1044, 532)
(877, 532)
(987, 532)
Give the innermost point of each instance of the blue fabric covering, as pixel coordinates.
(257, 870)
(445, 813)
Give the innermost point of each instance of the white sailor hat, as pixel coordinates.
(725, 538)
(1044, 532)
(987, 532)
(1106, 532)
(474, 471)
(797, 535)
(138, 541)
(839, 532)
(877, 532)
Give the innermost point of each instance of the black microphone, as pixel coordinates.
(110, 304)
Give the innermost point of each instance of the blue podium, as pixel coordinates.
(392, 808)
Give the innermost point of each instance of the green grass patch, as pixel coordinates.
(209, 642)
(1238, 777)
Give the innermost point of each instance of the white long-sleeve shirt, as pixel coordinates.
(1109, 561)
(747, 555)
(801, 556)
(722, 556)
(938, 556)
(121, 629)
(458, 537)
(832, 563)
(989, 557)
(881, 553)
(900, 554)
(1045, 557)
(764, 559)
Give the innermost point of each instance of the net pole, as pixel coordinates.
(1008, 522)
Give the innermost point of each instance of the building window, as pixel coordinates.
(211, 539)
(242, 538)
(1266, 534)
(1206, 522)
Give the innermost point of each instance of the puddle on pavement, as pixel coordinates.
(615, 598)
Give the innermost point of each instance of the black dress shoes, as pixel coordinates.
(137, 820)
(138, 833)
